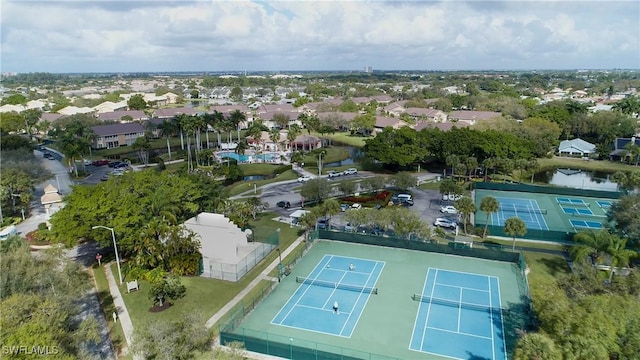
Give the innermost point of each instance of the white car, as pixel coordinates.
(333, 173)
(448, 209)
(304, 178)
(350, 171)
(356, 206)
(451, 197)
(445, 223)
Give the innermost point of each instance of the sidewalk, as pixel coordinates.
(118, 302)
(264, 275)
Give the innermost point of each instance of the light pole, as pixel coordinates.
(115, 247)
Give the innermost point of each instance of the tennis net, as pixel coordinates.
(514, 208)
(364, 289)
(457, 304)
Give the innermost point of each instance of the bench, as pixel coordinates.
(132, 285)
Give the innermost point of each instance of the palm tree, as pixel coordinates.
(452, 161)
(167, 129)
(72, 147)
(274, 136)
(179, 121)
(619, 254)
(520, 165)
(217, 122)
(489, 163)
(242, 147)
(632, 151)
(515, 226)
(533, 166)
(489, 205)
(465, 207)
(293, 133)
(236, 118)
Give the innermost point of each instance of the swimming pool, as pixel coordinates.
(244, 157)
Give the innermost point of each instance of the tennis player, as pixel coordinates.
(351, 267)
(335, 308)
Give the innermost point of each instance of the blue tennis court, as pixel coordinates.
(576, 211)
(334, 279)
(586, 224)
(527, 210)
(570, 201)
(459, 316)
(604, 204)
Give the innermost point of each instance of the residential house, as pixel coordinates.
(446, 126)
(136, 115)
(382, 99)
(50, 117)
(576, 147)
(306, 142)
(620, 151)
(281, 108)
(267, 119)
(426, 114)
(72, 110)
(383, 122)
(228, 252)
(600, 107)
(115, 135)
(109, 106)
(472, 117)
(171, 112)
(395, 108)
(361, 100)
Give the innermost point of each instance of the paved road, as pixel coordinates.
(84, 253)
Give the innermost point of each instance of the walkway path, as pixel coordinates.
(118, 302)
(263, 275)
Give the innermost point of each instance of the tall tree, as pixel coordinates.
(513, 227)
(167, 129)
(179, 339)
(489, 205)
(236, 118)
(465, 207)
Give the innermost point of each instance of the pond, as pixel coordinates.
(355, 156)
(577, 179)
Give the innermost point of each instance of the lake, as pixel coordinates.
(577, 179)
(355, 156)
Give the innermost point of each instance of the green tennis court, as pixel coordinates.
(386, 322)
(548, 216)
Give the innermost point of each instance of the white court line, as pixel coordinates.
(504, 341)
(334, 290)
(315, 331)
(461, 287)
(493, 347)
(323, 309)
(301, 295)
(461, 333)
(415, 323)
(426, 321)
(459, 309)
(358, 299)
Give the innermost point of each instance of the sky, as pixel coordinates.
(164, 36)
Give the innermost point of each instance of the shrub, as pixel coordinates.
(42, 226)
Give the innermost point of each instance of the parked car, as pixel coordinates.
(344, 207)
(304, 178)
(283, 204)
(448, 209)
(356, 206)
(349, 228)
(451, 197)
(99, 162)
(445, 223)
(113, 163)
(350, 171)
(121, 165)
(333, 173)
(323, 224)
(48, 156)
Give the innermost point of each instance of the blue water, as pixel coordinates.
(244, 157)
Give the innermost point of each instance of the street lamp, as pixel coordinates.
(115, 247)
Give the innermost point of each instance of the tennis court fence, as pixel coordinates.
(334, 285)
(503, 254)
(548, 190)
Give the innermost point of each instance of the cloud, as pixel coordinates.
(101, 36)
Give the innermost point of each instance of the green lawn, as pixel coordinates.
(333, 154)
(346, 138)
(116, 334)
(592, 165)
(258, 169)
(206, 296)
